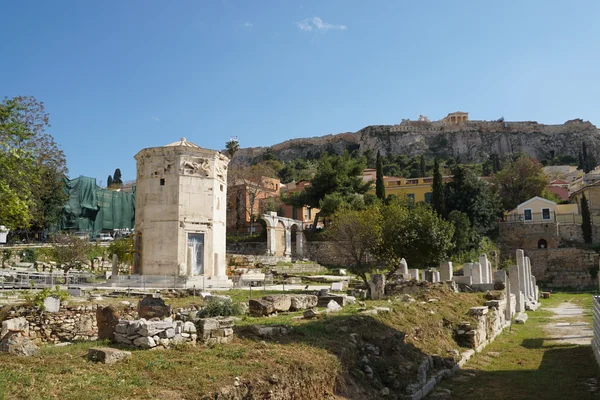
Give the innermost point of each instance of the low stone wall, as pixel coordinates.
(247, 248)
(149, 334)
(573, 232)
(564, 267)
(299, 268)
(68, 324)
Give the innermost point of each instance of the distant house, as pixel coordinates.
(592, 194)
(560, 188)
(538, 209)
(417, 189)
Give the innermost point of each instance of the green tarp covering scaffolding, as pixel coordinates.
(91, 208)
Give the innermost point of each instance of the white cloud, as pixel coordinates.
(248, 25)
(156, 118)
(317, 24)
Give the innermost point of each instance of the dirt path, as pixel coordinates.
(568, 325)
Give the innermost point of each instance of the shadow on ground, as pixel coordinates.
(565, 372)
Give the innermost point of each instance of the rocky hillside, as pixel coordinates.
(472, 141)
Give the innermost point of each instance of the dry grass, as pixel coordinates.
(318, 358)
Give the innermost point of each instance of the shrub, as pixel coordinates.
(217, 307)
(39, 297)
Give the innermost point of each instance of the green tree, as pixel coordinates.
(123, 248)
(355, 234)
(6, 255)
(70, 251)
(109, 181)
(465, 237)
(232, 146)
(422, 167)
(32, 167)
(586, 220)
(417, 234)
(519, 181)
(335, 174)
(437, 195)
(379, 183)
(471, 195)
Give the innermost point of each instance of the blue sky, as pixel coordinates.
(118, 76)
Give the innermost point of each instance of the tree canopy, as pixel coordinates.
(340, 175)
(32, 166)
(474, 197)
(519, 181)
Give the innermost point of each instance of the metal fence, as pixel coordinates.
(10, 279)
(596, 339)
(552, 217)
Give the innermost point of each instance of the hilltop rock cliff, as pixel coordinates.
(472, 141)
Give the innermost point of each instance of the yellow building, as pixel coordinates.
(417, 189)
(592, 194)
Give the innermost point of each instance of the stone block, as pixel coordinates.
(310, 313)
(17, 344)
(377, 286)
(281, 302)
(19, 324)
(107, 319)
(271, 330)
(324, 300)
(107, 355)
(303, 301)
(208, 324)
(153, 307)
(226, 322)
(333, 306)
(521, 318)
(446, 271)
(478, 311)
(260, 307)
(51, 304)
(144, 342)
(463, 280)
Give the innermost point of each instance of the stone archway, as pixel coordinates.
(281, 245)
(542, 244)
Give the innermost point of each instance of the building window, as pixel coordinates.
(428, 197)
(528, 215)
(162, 181)
(546, 214)
(294, 213)
(411, 196)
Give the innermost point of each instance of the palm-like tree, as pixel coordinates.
(232, 146)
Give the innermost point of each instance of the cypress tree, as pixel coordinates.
(109, 181)
(379, 184)
(422, 166)
(117, 177)
(580, 165)
(437, 197)
(586, 220)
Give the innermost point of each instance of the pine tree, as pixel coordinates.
(422, 167)
(117, 177)
(109, 181)
(586, 220)
(437, 197)
(379, 183)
